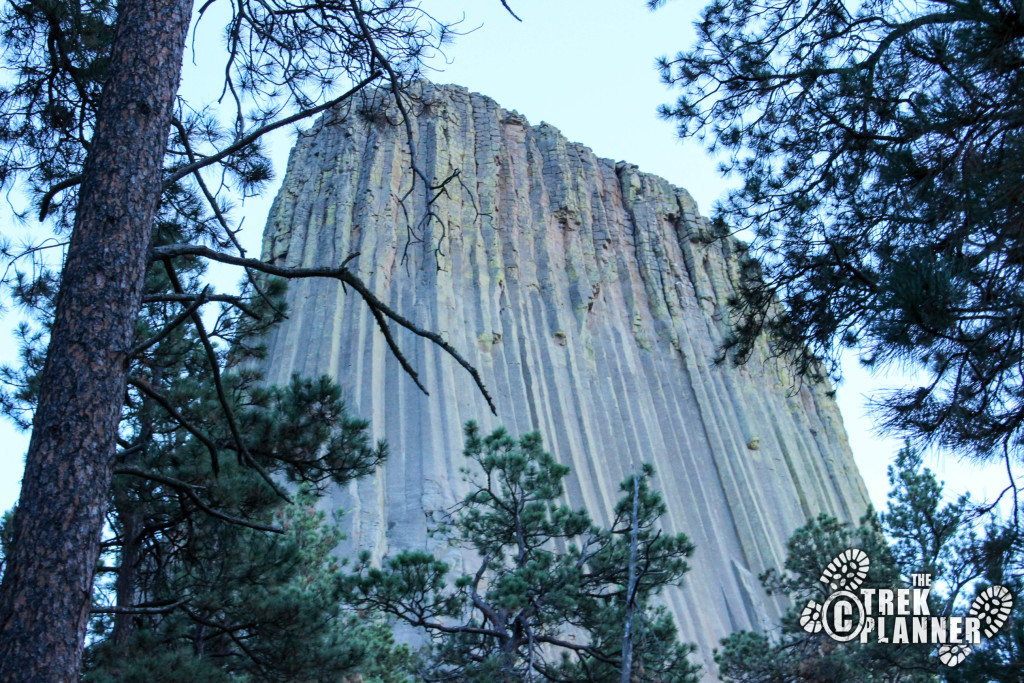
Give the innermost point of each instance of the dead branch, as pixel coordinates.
(179, 173)
(344, 276)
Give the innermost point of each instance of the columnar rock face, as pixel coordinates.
(579, 288)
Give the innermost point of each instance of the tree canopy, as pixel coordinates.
(136, 181)
(881, 150)
(206, 571)
(879, 147)
(918, 533)
(554, 596)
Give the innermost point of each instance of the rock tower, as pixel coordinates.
(581, 291)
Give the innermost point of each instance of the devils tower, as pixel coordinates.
(581, 290)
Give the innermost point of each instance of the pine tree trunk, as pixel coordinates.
(627, 630)
(124, 587)
(45, 596)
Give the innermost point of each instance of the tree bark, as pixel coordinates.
(47, 586)
(124, 587)
(627, 630)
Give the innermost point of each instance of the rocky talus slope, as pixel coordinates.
(580, 290)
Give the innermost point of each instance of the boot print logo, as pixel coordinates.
(899, 616)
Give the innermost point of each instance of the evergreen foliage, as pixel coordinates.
(918, 533)
(138, 182)
(243, 604)
(208, 573)
(881, 149)
(279, 59)
(549, 597)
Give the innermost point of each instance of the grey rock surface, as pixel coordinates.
(579, 289)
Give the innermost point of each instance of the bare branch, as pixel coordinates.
(44, 204)
(232, 299)
(342, 275)
(139, 609)
(242, 142)
(504, 4)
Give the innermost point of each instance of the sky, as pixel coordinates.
(586, 67)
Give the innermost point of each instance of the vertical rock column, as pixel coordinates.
(580, 290)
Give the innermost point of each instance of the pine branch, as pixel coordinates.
(232, 299)
(197, 301)
(139, 609)
(221, 218)
(189, 491)
(44, 203)
(151, 391)
(177, 174)
(229, 414)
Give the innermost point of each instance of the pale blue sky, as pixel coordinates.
(586, 67)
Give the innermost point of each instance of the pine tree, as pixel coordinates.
(880, 147)
(235, 603)
(207, 572)
(91, 122)
(918, 533)
(550, 596)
